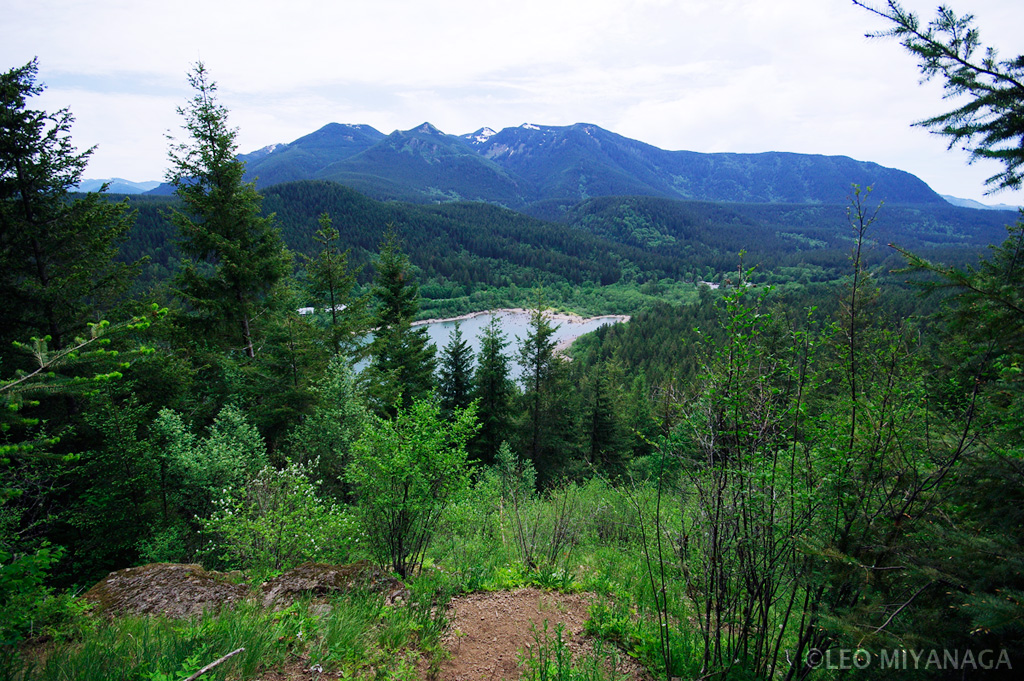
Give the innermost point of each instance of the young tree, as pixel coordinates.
(548, 429)
(537, 355)
(323, 440)
(405, 472)
(401, 358)
(990, 124)
(235, 255)
(456, 373)
(57, 252)
(330, 284)
(607, 446)
(493, 390)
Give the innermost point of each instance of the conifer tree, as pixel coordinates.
(235, 256)
(401, 357)
(57, 252)
(608, 447)
(456, 373)
(989, 122)
(493, 389)
(330, 283)
(550, 407)
(537, 355)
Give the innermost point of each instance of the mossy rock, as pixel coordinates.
(322, 579)
(170, 589)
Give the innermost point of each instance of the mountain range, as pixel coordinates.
(544, 170)
(118, 185)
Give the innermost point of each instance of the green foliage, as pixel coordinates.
(401, 357)
(493, 392)
(455, 374)
(26, 603)
(330, 285)
(235, 254)
(275, 521)
(990, 124)
(58, 266)
(80, 368)
(205, 468)
(323, 440)
(607, 443)
(549, 412)
(404, 473)
(550, 659)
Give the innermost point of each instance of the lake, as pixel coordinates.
(515, 324)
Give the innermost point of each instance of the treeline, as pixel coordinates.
(460, 249)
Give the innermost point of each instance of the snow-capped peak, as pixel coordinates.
(483, 134)
(529, 126)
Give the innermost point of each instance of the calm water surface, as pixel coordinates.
(516, 326)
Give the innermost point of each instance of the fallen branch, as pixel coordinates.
(213, 664)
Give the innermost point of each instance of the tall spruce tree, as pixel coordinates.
(455, 382)
(608, 446)
(537, 355)
(330, 283)
(235, 256)
(494, 390)
(401, 357)
(57, 251)
(548, 431)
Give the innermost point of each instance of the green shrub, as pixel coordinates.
(405, 473)
(275, 521)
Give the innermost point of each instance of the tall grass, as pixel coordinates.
(349, 635)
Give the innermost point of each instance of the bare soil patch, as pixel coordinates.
(489, 632)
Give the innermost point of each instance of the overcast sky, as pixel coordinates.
(700, 75)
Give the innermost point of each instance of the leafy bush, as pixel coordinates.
(232, 450)
(405, 472)
(275, 521)
(26, 603)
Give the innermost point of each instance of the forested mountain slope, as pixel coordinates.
(603, 241)
(530, 164)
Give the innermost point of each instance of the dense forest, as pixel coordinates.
(801, 458)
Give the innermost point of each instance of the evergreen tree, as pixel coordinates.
(641, 424)
(330, 283)
(493, 389)
(537, 355)
(456, 373)
(608, 447)
(235, 256)
(57, 253)
(401, 357)
(990, 121)
(550, 406)
(323, 440)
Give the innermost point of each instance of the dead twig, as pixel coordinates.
(214, 664)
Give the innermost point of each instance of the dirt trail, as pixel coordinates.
(488, 631)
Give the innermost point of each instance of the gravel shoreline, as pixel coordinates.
(555, 316)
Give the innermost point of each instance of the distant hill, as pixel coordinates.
(118, 186)
(971, 203)
(604, 240)
(577, 162)
(546, 169)
(304, 158)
